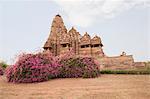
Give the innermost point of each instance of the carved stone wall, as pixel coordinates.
(117, 62)
(60, 41)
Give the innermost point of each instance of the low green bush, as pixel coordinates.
(125, 72)
(3, 65)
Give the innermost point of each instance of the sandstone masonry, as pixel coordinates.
(60, 41)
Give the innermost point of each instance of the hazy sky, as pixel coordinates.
(123, 25)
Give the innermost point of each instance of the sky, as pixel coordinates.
(123, 25)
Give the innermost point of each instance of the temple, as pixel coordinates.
(60, 41)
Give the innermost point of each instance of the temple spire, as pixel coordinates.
(58, 28)
(60, 40)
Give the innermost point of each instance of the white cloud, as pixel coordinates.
(85, 12)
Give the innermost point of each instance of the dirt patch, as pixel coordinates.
(103, 87)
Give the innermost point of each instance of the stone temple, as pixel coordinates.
(60, 41)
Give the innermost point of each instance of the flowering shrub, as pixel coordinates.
(44, 66)
(33, 68)
(84, 67)
(1, 71)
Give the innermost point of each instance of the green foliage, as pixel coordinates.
(141, 72)
(3, 65)
(147, 64)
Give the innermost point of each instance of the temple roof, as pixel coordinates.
(65, 38)
(59, 35)
(58, 15)
(72, 29)
(85, 39)
(96, 40)
(47, 44)
(74, 35)
(86, 36)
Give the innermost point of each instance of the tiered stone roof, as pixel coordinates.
(85, 39)
(96, 40)
(59, 39)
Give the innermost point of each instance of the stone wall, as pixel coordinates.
(117, 61)
(139, 64)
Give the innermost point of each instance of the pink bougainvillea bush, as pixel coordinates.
(40, 67)
(1, 71)
(33, 68)
(75, 67)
